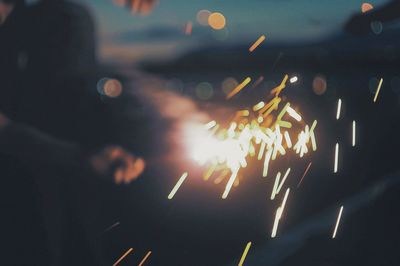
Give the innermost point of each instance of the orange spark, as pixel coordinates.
(238, 88)
(257, 43)
(123, 256)
(145, 258)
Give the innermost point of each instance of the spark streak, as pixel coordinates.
(257, 43)
(339, 107)
(305, 172)
(229, 184)
(238, 88)
(335, 168)
(378, 89)
(178, 184)
(293, 113)
(278, 214)
(337, 222)
(353, 139)
(123, 256)
(145, 258)
(283, 181)
(246, 250)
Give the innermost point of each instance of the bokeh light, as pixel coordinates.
(174, 85)
(202, 17)
(365, 7)
(204, 91)
(109, 87)
(376, 27)
(319, 85)
(229, 84)
(216, 21)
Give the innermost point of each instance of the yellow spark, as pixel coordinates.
(123, 256)
(277, 90)
(339, 107)
(353, 140)
(379, 88)
(229, 184)
(243, 113)
(145, 258)
(276, 184)
(269, 107)
(293, 113)
(279, 120)
(257, 43)
(210, 124)
(246, 250)
(178, 184)
(337, 222)
(335, 168)
(221, 176)
(210, 171)
(258, 106)
(283, 181)
(238, 88)
(279, 213)
(266, 163)
(261, 152)
(314, 124)
(287, 138)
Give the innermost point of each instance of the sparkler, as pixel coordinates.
(123, 256)
(177, 186)
(378, 89)
(257, 43)
(246, 250)
(337, 222)
(145, 258)
(251, 133)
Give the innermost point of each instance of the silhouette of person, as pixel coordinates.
(53, 129)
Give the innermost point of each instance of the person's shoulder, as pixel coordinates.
(59, 7)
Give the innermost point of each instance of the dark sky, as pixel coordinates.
(159, 34)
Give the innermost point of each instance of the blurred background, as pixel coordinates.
(171, 65)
